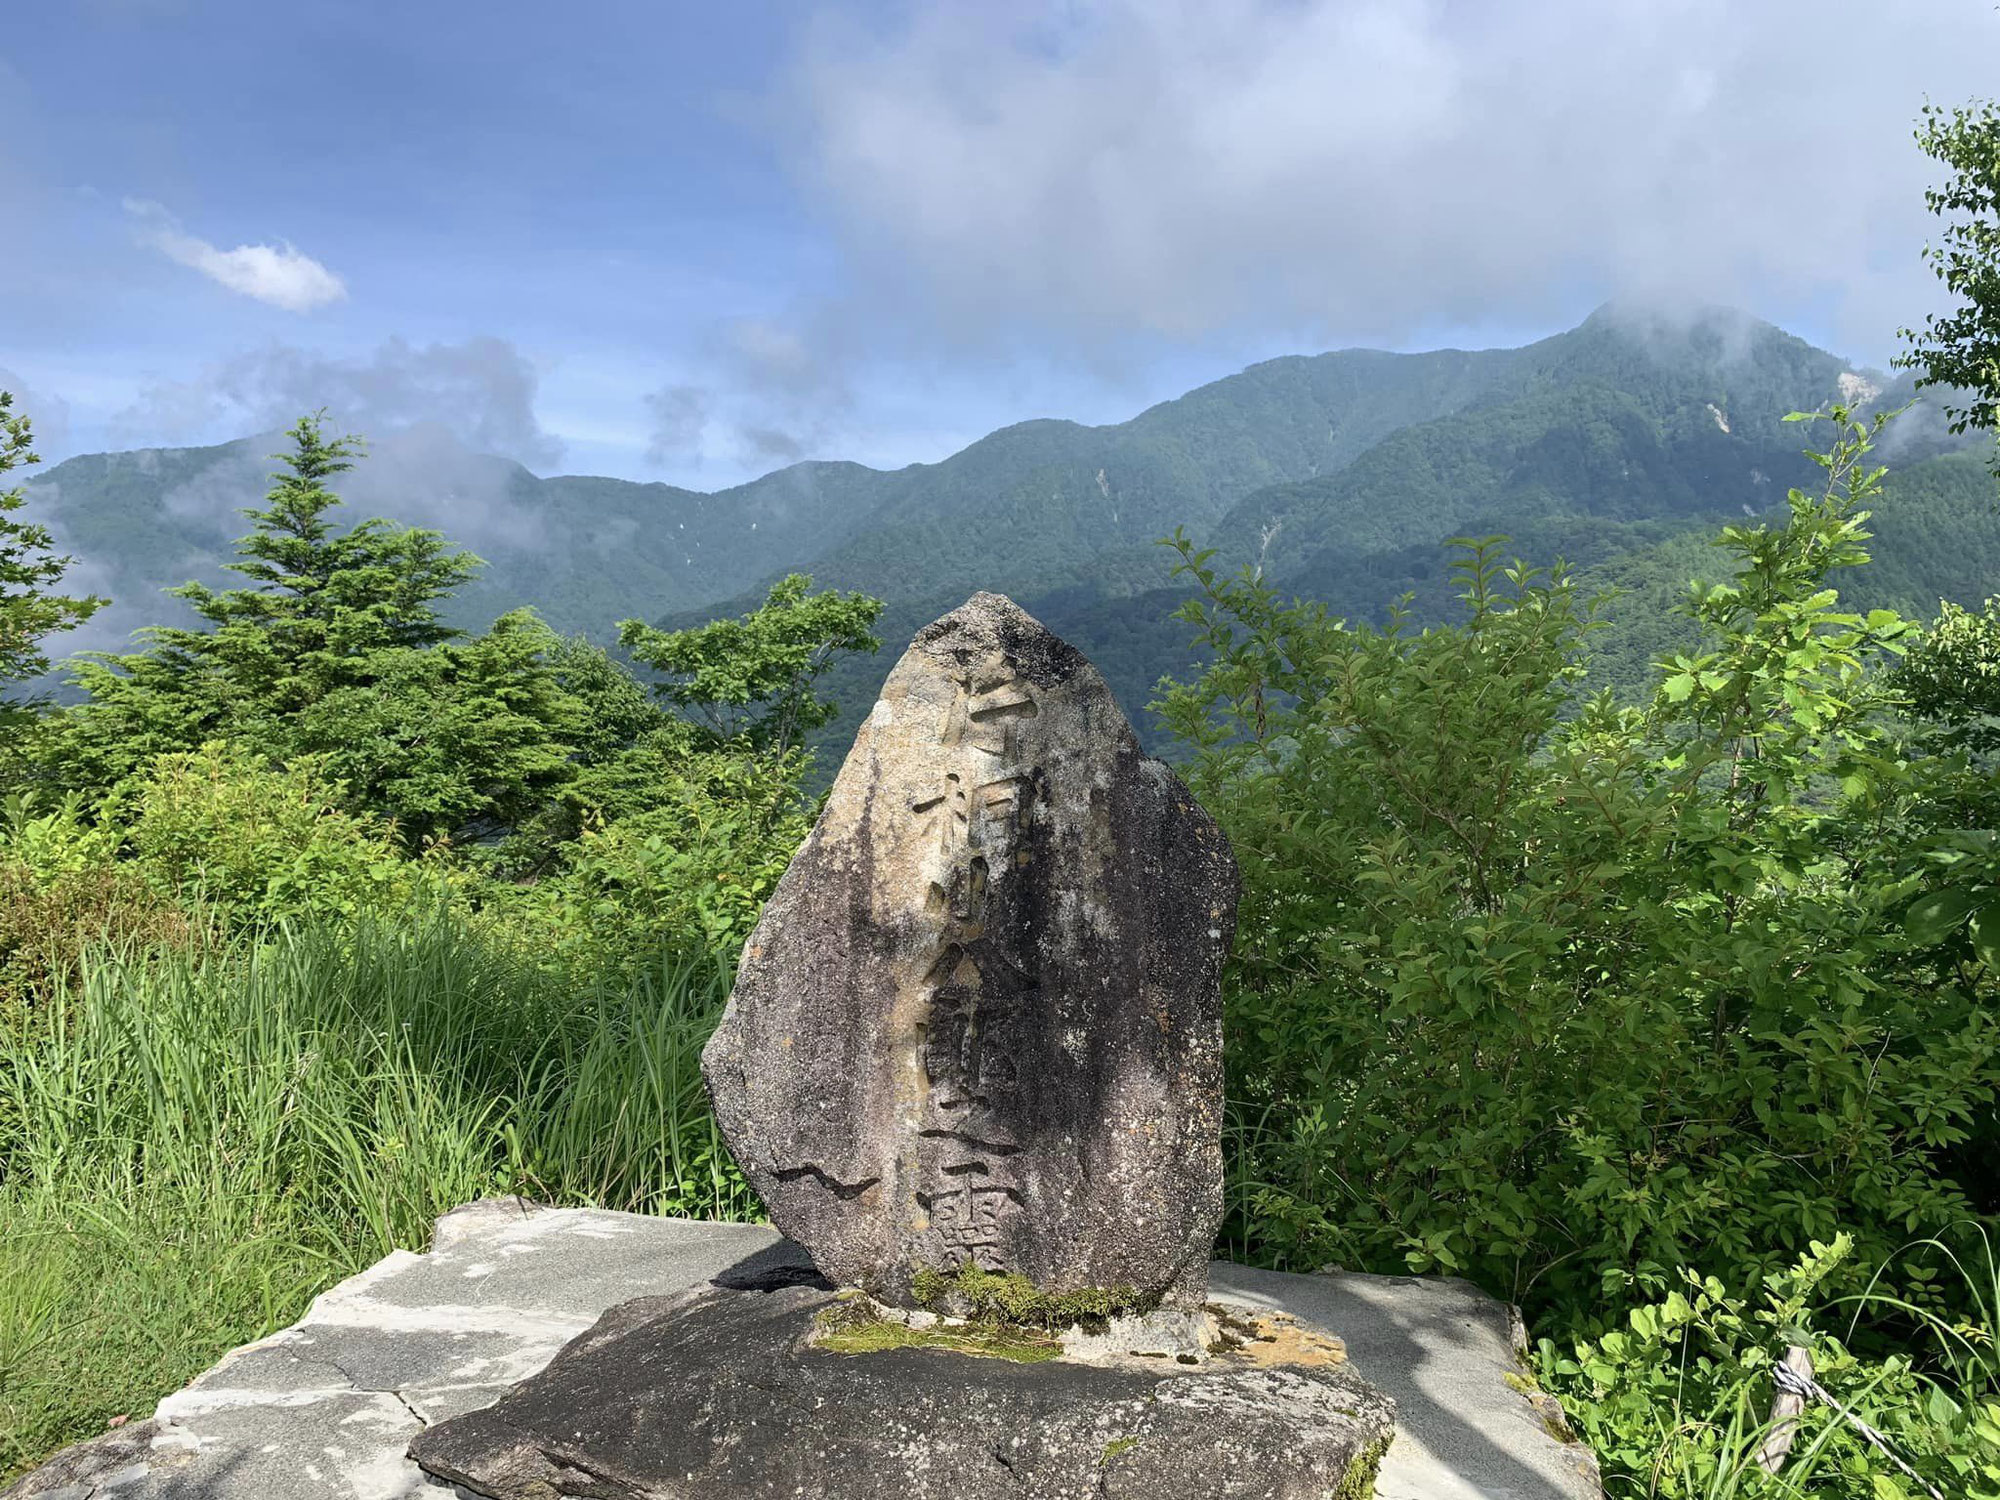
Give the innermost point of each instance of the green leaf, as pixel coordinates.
(1932, 918)
(1985, 927)
(1678, 687)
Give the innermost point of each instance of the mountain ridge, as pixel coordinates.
(1338, 472)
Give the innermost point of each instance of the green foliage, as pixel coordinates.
(1548, 993)
(1677, 1402)
(689, 875)
(221, 829)
(286, 760)
(670, 834)
(750, 681)
(1960, 350)
(1953, 676)
(63, 894)
(28, 566)
(338, 652)
(465, 739)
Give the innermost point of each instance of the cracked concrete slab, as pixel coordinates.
(323, 1410)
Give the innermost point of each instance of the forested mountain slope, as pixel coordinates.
(1618, 445)
(1023, 506)
(586, 551)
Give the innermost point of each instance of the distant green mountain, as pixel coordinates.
(586, 551)
(1030, 507)
(1619, 419)
(1619, 445)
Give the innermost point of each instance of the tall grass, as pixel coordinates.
(193, 1144)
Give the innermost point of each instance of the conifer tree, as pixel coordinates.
(336, 649)
(29, 567)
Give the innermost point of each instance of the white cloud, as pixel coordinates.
(773, 393)
(482, 391)
(680, 417)
(44, 408)
(277, 274)
(1367, 170)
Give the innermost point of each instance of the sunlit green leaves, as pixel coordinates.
(1555, 995)
(751, 680)
(1960, 349)
(1935, 914)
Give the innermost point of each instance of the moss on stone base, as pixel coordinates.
(972, 1292)
(854, 1326)
(1359, 1482)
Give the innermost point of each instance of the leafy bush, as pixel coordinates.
(258, 844)
(1678, 1402)
(62, 894)
(1559, 995)
(47, 926)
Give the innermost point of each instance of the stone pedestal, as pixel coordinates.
(728, 1392)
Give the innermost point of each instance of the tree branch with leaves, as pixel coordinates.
(750, 682)
(1960, 350)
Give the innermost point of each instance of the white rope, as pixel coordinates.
(1794, 1383)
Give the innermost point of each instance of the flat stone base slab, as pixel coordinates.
(325, 1409)
(723, 1393)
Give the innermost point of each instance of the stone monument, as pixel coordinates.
(980, 1020)
(972, 1065)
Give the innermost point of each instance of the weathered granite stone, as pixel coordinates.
(720, 1393)
(979, 1020)
(99, 1465)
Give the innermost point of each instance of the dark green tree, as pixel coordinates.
(29, 567)
(337, 650)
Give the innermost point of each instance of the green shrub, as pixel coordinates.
(48, 924)
(258, 843)
(62, 893)
(1678, 1402)
(1560, 995)
(688, 876)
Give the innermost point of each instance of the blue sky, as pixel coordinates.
(695, 242)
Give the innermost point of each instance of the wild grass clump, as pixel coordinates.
(197, 1141)
(108, 1302)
